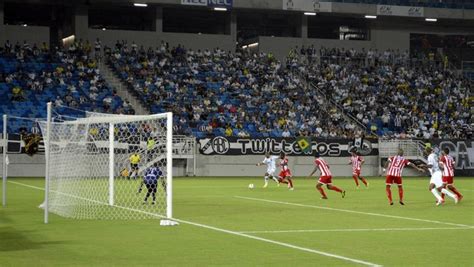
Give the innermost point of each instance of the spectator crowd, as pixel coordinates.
(393, 99)
(69, 77)
(217, 92)
(325, 92)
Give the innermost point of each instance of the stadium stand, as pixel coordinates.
(219, 90)
(223, 93)
(391, 94)
(31, 76)
(220, 95)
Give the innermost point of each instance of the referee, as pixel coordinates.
(134, 160)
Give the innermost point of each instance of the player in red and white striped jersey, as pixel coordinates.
(326, 177)
(446, 162)
(395, 165)
(356, 160)
(285, 173)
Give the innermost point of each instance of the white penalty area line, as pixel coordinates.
(366, 263)
(353, 230)
(424, 187)
(353, 211)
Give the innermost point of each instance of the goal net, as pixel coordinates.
(109, 166)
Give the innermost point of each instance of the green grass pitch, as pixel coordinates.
(235, 226)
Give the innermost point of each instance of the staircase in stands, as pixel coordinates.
(122, 89)
(413, 149)
(331, 103)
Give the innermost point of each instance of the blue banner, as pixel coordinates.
(219, 3)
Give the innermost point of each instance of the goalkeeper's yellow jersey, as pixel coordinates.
(135, 159)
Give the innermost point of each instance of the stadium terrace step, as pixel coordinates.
(121, 89)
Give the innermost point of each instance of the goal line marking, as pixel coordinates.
(353, 230)
(353, 211)
(288, 245)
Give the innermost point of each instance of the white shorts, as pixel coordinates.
(436, 179)
(271, 172)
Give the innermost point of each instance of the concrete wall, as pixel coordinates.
(386, 34)
(2, 16)
(81, 22)
(109, 37)
(390, 39)
(199, 41)
(349, 8)
(32, 34)
(380, 39)
(22, 165)
(190, 40)
(26, 166)
(16, 33)
(300, 166)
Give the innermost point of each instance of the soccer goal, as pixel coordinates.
(90, 173)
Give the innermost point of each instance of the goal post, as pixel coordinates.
(105, 166)
(46, 136)
(169, 167)
(4, 161)
(111, 166)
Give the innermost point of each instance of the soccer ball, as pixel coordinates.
(251, 186)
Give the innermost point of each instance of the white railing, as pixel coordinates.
(411, 148)
(184, 147)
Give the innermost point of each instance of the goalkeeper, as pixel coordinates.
(150, 179)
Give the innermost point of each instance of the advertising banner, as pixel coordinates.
(463, 153)
(302, 146)
(194, 2)
(209, 3)
(401, 11)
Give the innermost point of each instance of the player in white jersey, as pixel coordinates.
(270, 161)
(436, 181)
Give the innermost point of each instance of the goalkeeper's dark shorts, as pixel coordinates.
(134, 166)
(151, 185)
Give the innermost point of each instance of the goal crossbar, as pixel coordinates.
(114, 119)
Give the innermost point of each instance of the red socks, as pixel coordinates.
(321, 190)
(355, 180)
(335, 188)
(286, 181)
(400, 193)
(455, 191)
(389, 194)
